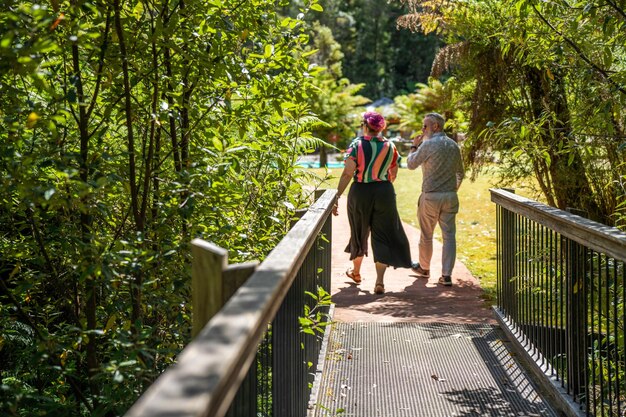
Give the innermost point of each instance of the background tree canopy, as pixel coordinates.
(389, 62)
(545, 87)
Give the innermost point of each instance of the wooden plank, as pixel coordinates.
(209, 261)
(210, 369)
(235, 276)
(593, 235)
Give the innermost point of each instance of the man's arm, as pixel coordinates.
(413, 160)
(460, 171)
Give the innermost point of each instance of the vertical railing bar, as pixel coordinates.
(534, 284)
(559, 311)
(622, 359)
(550, 301)
(582, 341)
(577, 290)
(563, 292)
(511, 253)
(513, 281)
(498, 260)
(601, 326)
(523, 278)
(543, 327)
(570, 353)
(510, 265)
(530, 277)
(592, 299)
(588, 260)
(615, 354)
(607, 339)
(519, 292)
(528, 283)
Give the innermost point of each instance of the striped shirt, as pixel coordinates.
(374, 157)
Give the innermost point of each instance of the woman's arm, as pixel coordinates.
(344, 180)
(393, 173)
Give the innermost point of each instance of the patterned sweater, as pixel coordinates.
(442, 165)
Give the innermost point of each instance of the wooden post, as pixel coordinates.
(208, 263)
(318, 193)
(213, 281)
(235, 276)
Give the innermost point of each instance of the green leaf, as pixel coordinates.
(138, 10)
(217, 143)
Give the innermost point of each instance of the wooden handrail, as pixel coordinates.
(593, 235)
(210, 369)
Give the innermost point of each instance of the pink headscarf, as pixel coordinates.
(374, 121)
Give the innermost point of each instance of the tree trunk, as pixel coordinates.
(136, 292)
(323, 157)
(569, 183)
(86, 225)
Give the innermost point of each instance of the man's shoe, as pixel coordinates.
(445, 280)
(424, 273)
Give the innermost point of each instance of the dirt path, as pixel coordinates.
(407, 297)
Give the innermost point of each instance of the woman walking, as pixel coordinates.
(372, 162)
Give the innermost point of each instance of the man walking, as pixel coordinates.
(442, 173)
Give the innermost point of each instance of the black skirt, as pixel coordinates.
(372, 207)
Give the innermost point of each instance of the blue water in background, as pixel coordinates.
(316, 164)
(333, 164)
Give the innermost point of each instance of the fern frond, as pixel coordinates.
(309, 123)
(306, 144)
(449, 56)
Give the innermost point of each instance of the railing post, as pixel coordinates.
(208, 263)
(509, 272)
(213, 281)
(576, 333)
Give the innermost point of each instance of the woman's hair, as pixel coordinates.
(375, 121)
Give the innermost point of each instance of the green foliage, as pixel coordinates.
(546, 84)
(385, 60)
(314, 319)
(128, 128)
(445, 98)
(334, 99)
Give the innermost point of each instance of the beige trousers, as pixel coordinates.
(433, 209)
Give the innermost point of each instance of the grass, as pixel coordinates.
(476, 221)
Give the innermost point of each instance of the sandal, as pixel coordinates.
(379, 289)
(354, 277)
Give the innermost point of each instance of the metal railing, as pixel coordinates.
(251, 358)
(561, 291)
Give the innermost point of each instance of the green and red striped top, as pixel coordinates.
(374, 157)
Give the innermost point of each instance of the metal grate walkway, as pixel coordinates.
(417, 369)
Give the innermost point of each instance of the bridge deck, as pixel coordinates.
(419, 349)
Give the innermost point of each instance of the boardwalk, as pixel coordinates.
(418, 350)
